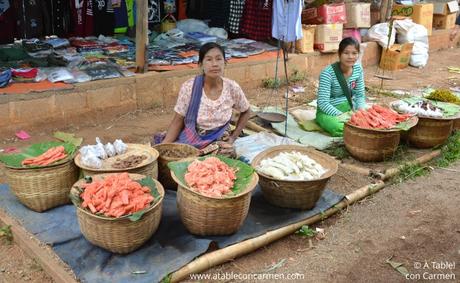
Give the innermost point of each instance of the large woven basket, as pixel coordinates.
(209, 216)
(456, 126)
(430, 132)
(148, 167)
(119, 235)
(43, 188)
(295, 194)
(370, 145)
(164, 175)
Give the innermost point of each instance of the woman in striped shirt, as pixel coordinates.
(341, 88)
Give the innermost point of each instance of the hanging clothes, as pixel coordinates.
(104, 18)
(78, 13)
(219, 11)
(7, 22)
(235, 15)
(121, 16)
(32, 18)
(197, 9)
(59, 14)
(89, 19)
(181, 9)
(154, 11)
(287, 21)
(257, 19)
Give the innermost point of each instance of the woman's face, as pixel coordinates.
(213, 63)
(349, 56)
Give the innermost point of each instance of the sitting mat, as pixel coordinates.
(170, 248)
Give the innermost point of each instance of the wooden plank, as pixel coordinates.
(141, 36)
(45, 257)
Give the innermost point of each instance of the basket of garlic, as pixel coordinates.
(435, 123)
(293, 176)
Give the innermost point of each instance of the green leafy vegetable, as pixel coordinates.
(147, 182)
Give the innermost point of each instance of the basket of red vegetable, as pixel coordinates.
(42, 174)
(118, 212)
(214, 193)
(373, 134)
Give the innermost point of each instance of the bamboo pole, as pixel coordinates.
(211, 259)
(356, 169)
(141, 36)
(391, 172)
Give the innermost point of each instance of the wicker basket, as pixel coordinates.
(164, 175)
(295, 194)
(43, 188)
(456, 126)
(430, 132)
(148, 167)
(119, 235)
(370, 145)
(208, 216)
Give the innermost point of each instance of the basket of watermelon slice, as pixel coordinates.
(213, 194)
(373, 134)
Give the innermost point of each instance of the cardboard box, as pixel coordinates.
(444, 21)
(325, 14)
(421, 14)
(305, 44)
(358, 15)
(396, 57)
(352, 32)
(445, 8)
(328, 37)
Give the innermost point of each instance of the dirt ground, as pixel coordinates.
(416, 221)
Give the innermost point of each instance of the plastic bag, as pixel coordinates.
(59, 74)
(419, 56)
(120, 146)
(191, 25)
(379, 33)
(110, 149)
(100, 150)
(219, 32)
(91, 160)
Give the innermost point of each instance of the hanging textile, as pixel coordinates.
(154, 11)
(287, 22)
(104, 18)
(78, 15)
(89, 19)
(7, 22)
(59, 15)
(235, 15)
(197, 9)
(32, 18)
(257, 19)
(120, 12)
(182, 10)
(218, 11)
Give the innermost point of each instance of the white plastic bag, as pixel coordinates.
(120, 146)
(419, 56)
(91, 160)
(379, 33)
(219, 32)
(191, 25)
(110, 149)
(100, 150)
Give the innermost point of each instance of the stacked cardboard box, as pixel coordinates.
(421, 14)
(328, 37)
(305, 44)
(445, 15)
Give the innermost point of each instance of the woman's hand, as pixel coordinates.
(174, 129)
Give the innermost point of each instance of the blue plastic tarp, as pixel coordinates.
(170, 248)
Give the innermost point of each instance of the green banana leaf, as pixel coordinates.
(405, 126)
(15, 160)
(243, 174)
